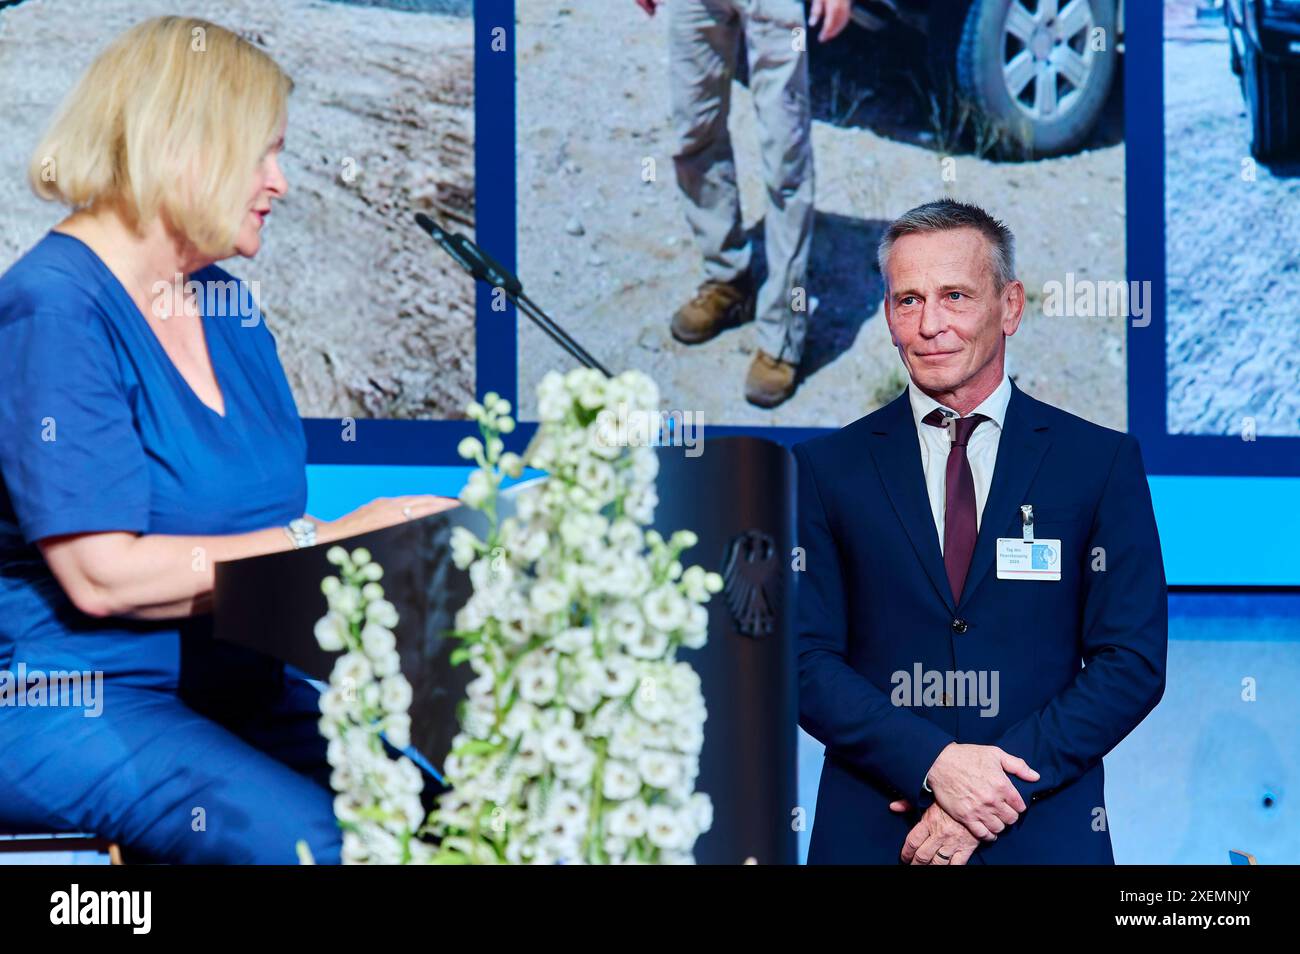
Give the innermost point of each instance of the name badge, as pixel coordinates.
(1029, 559)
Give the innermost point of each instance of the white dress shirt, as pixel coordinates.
(982, 451)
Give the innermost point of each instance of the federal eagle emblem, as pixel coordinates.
(749, 573)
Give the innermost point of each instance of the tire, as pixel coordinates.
(1271, 93)
(992, 36)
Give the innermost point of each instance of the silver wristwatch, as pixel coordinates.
(302, 532)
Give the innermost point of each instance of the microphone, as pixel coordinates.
(470, 257)
(483, 267)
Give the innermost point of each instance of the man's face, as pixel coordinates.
(945, 312)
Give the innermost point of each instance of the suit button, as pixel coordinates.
(959, 626)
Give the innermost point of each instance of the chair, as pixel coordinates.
(16, 843)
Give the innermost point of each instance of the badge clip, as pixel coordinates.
(1027, 522)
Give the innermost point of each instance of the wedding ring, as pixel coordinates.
(942, 855)
(406, 511)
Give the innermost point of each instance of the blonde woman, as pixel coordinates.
(148, 432)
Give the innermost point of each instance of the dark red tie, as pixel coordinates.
(959, 525)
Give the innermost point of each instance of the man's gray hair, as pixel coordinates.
(944, 215)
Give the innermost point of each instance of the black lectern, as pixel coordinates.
(737, 495)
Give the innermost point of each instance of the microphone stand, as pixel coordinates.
(483, 267)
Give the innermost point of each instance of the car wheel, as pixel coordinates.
(1033, 68)
(1271, 99)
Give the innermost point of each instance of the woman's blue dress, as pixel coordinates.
(194, 750)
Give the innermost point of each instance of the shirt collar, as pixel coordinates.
(994, 407)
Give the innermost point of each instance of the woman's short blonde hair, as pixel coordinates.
(173, 119)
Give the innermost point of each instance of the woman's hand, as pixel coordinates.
(382, 512)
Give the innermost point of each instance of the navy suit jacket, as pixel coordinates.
(1079, 662)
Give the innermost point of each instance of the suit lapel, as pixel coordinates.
(897, 453)
(1020, 451)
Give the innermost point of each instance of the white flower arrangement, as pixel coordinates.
(378, 802)
(580, 736)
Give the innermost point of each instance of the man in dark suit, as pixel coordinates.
(982, 612)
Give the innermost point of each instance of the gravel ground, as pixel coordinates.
(593, 104)
(372, 320)
(1232, 338)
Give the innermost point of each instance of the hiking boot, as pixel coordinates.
(770, 380)
(716, 305)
